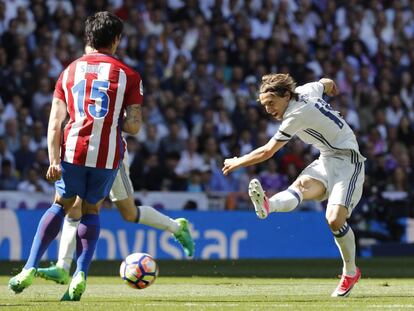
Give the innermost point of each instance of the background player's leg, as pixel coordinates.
(146, 215)
(122, 194)
(149, 216)
(67, 245)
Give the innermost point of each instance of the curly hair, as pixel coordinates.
(279, 84)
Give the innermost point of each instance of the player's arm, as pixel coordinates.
(258, 155)
(132, 120)
(329, 87)
(54, 132)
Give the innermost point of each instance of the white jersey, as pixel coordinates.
(315, 123)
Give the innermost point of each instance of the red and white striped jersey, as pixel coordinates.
(96, 88)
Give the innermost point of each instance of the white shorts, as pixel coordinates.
(122, 186)
(343, 180)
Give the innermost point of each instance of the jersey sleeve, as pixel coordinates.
(289, 127)
(59, 93)
(135, 90)
(313, 89)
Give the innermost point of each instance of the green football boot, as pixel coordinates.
(183, 236)
(76, 288)
(54, 273)
(22, 280)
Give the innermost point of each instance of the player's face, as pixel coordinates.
(274, 105)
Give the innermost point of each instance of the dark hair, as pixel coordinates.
(101, 29)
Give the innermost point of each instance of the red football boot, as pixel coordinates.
(346, 284)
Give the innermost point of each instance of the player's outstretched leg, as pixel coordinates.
(54, 273)
(284, 201)
(183, 236)
(259, 199)
(60, 272)
(346, 284)
(149, 216)
(22, 280)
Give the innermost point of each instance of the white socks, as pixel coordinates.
(67, 244)
(151, 217)
(345, 240)
(285, 201)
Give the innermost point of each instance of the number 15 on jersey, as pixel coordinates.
(98, 94)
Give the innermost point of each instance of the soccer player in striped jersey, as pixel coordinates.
(122, 196)
(101, 95)
(337, 175)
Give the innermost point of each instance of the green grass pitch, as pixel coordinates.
(215, 293)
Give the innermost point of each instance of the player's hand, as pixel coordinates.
(334, 90)
(330, 87)
(54, 172)
(230, 165)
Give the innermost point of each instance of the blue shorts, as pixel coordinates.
(89, 183)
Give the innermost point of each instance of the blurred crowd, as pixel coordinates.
(201, 64)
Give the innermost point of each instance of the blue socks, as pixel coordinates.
(47, 230)
(49, 227)
(88, 234)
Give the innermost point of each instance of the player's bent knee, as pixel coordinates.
(311, 189)
(336, 216)
(334, 222)
(128, 216)
(127, 209)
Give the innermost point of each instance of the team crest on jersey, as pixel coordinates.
(141, 88)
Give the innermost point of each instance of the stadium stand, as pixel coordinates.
(201, 63)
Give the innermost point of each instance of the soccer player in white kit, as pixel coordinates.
(337, 175)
